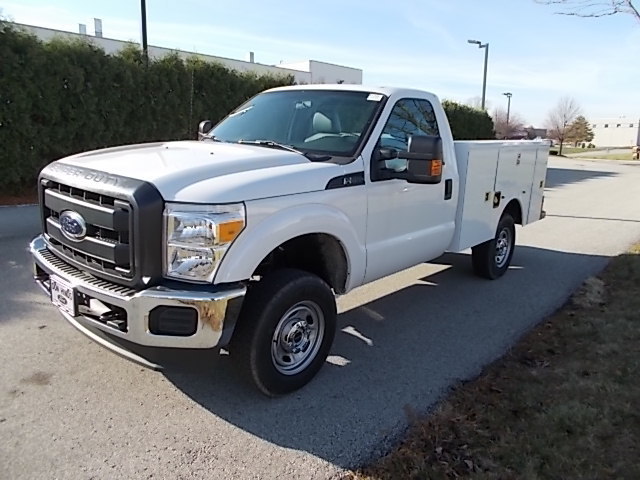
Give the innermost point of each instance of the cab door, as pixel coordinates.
(407, 223)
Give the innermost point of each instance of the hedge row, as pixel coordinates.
(468, 123)
(60, 97)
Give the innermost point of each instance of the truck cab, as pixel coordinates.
(243, 238)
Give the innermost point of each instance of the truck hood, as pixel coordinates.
(210, 172)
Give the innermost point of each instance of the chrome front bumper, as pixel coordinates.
(217, 311)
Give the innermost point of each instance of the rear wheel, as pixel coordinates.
(285, 331)
(491, 259)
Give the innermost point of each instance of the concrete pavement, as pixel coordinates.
(19, 222)
(70, 409)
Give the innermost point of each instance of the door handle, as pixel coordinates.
(448, 189)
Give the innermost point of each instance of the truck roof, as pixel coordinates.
(355, 88)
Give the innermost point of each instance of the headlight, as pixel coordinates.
(197, 236)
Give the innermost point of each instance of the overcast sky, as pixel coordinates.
(536, 55)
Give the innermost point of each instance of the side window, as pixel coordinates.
(408, 117)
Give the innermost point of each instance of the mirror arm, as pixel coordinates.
(404, 155)
(385, 154)
(419, 156)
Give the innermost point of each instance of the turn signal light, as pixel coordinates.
(228, 231)
(435, 170)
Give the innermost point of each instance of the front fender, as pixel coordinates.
(269, 227)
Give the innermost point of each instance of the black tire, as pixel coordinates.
(487, 262)
(291, 301)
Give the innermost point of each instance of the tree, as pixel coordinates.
(580, 131)
(594, 8)
(468, 123)
(504, 129)
(560, 119)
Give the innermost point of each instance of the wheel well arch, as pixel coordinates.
(514, 209)
(318, 253)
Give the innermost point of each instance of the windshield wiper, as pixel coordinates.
(271, 144)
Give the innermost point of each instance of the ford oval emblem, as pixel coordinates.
(73, 226)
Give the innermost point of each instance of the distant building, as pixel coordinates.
(616, 132)
(518, 135)
(533, 133)
(322, 72)
(308, 71)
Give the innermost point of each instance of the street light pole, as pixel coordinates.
(145, 47)
(486, 63)
(484, 79)
(508, 95)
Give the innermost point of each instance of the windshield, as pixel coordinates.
(317, 121)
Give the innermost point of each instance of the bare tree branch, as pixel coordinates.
(560, 119)
(506, 129)
(594, 8)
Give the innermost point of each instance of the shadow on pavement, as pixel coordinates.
(400, 352)
(558, 177)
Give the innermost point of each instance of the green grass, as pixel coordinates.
(563, 404)
(619, 156)
(570, 150)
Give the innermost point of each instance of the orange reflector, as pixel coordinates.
(435, 169)
(228, 231)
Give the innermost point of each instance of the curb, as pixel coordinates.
(19, 205)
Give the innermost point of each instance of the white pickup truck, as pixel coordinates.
(242, 239)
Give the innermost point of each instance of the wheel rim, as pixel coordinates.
(503, 247)
(297, 338)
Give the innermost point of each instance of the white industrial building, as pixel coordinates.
(308, 71)
(321, 72)
(616, 132)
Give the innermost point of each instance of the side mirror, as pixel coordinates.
(204, 127)
(424, 159)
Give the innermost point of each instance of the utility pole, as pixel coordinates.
(508, 95)
(486, 62)
(145, 47)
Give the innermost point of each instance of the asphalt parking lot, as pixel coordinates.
(70, 409)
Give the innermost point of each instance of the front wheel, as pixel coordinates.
(491, 259)
(285, 331)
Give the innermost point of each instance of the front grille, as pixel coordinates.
(73, 272)
(107, 246)
(123, 242)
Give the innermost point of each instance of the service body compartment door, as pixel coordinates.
(516, 164)
(476, 219)
(537, 187)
